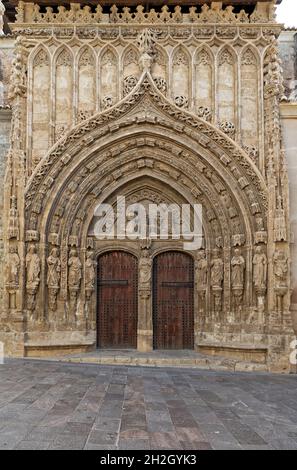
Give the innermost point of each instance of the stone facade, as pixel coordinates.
(288, 53)
(176, 106)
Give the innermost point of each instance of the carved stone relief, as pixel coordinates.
(208, 14)
(90, 274)
(74, 274)
(170, 95)
(280, 267)
(32, 275)
(238, 266)
(260, 278)
(216, 280)
(53, 277)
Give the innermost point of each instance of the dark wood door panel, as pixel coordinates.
(117, 300)
(173, 302)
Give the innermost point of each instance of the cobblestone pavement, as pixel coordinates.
(50, 405)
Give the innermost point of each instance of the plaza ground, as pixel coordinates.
(56, 405)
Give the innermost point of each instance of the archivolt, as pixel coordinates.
(185, 151)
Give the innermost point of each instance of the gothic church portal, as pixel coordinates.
(175, 105)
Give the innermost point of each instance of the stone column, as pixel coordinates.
(145, 322)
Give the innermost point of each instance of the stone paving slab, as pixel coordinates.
(55, 405)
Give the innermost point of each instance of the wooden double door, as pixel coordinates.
(117, 296)
(173, 301)
(172, 306)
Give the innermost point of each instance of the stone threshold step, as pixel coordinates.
(202, 362)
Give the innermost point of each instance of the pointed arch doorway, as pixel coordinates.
(117, 300)
(173, 301)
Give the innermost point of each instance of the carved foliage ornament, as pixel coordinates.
(84, 14)
(19, 76)
(146, 41)
(161, 84)
(130, 83)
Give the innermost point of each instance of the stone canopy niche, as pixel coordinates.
(167, 105)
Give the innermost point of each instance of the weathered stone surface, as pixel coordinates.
(168, 106)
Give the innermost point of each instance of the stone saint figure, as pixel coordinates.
(237, 269)
(145, 267)
(260, 268)
(217, 271)
(13, 266)
(90, 274)
(54, 269)
(202, 269)
(32, 267)
(75, 269)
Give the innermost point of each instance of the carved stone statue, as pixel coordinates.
(260, 268)
(145, 268)
(217, 271)
(90, 274)
(237, 278)
(53, 277)
(54, 269)
(260, 280)
(201, 276)
(280, 269)
(202, 269)
(237, 269)
(216, 280)
(32, 268)
(32, 275)
(13, 267)
(75, 270)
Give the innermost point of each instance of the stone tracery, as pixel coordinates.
(189, 147)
